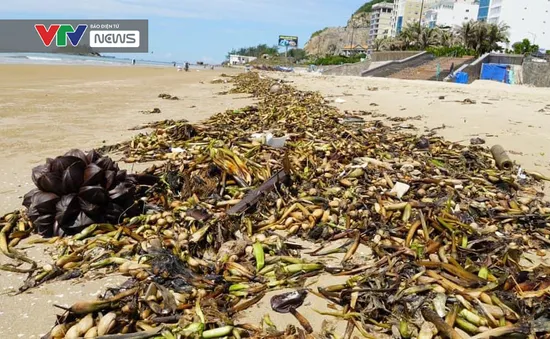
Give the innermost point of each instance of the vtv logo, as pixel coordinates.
(62, 32)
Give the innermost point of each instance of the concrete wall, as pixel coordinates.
(377, 59)
(396, 66)
(508, 59)
(392, 55)
(348, 69)
(474, 69)
(536, 73)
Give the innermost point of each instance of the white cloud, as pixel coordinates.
(283, 11)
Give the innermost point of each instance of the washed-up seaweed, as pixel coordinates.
(457, 246)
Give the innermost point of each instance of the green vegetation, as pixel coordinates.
(297, 54)
(367, 7)
(316, 33)
(337, 60)
(256, 51)
(524, 47)
(472, 38)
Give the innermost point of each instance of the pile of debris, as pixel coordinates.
(457, 245)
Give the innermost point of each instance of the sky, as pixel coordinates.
(198, 30)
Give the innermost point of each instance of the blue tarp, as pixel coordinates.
(496, 72)
(461, 78)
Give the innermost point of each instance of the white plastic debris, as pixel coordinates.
(277, 142)
(270, 140)
(176, 150)
(400, 189)
(339, 100)
(521, 174)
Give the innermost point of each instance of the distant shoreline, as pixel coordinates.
(85, 60)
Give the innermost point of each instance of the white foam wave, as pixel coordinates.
(43, 58)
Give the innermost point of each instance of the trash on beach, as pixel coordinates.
(339, 100)
(275, 89)
(521, 174)
(167, 96)
(400, 189)
(218, 81)
(461, 252)
(477, 141)
(502, 159)
(155, 110)
(269, 139)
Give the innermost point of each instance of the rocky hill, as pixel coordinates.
(331, 40)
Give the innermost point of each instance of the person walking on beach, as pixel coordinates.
(133, 61)
(186, 66)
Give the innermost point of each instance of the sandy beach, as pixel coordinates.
(47, 110)
(516, 117)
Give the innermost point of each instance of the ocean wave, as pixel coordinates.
(43, 58)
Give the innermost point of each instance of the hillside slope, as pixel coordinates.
(331, 40)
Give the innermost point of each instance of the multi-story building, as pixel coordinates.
(450, 13)
(527, 19)
(407, 12)
(380, 22)
(483, 10)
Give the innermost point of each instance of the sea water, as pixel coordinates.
(67, 59)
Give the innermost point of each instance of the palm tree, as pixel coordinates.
(497, 34)
(488, 37)
(410, 36)
(447, 38)
(378, 44)
(394, 44)
(479, 39)
(427, 37)
(466, 33)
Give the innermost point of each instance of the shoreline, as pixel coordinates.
(88, 60)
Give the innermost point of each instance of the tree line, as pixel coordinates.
(273, 51)
(470, 38)
(473, 38)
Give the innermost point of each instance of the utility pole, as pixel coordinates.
(420, 18)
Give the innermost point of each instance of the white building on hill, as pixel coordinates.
(528, 19)
(407, 12)
(380, 22)
(450, 13)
